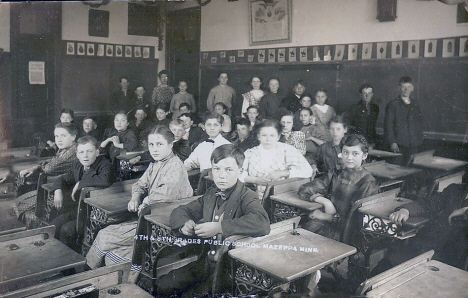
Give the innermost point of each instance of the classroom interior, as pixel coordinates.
(195, 41)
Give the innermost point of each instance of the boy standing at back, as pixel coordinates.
(92, 171)
(222, 93)
(228, 209)
(403, 121)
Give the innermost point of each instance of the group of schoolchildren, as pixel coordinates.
(274, 139)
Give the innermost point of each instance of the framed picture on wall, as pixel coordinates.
(118, 51)
(80, 48)
(109, 50)
(128, 51)
(146, 53)
(137, 52)
(90, 49)
(70, 48)
(100, 50)
(270, 21)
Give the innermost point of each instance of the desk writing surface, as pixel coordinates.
(292, 199)
(288, 265)
(384, 208)
(389, 171)
(161, 213)
(111, 203)
(382, 154)
(440, 163)
(424, 281)
(29, 260)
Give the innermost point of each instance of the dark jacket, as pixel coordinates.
(121, 101)
(270, 106)
(248, 143)
(291, 103)
(100, 174)
(181, 148)
(244, 215)
(403, 123)
(196, 136)
(361, 123)
(127, 137)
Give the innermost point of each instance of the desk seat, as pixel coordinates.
(288, 205)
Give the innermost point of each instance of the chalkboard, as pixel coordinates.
(87, 83)
(440, 85)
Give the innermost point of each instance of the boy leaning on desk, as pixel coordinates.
(228, 209)
(442, 234)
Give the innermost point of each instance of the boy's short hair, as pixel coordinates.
(273, 78)
(88, 139)
(339, 119)
(177, 122)
(209, 115)
(286, 113)
(356, 140)
(221, 72)
(243, 121)
(253, 107)
(298, 82)
(163, 72)
(228, 150)
(122, 78)
(138, 86)
(70, 127)
(162, 106)
(188, 115)
(67, 111)
(365, 86)
(308, 110)
(89, 118)
(306, 95)
(404, 80)
(121, 112)
(184, 104)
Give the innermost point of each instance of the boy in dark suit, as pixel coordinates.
(403, 121)
(228, 209)
(92, 171)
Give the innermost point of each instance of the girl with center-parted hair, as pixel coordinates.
(253, 97)
(339, 189)
(165, 180)
(272, 160)
(61, 163)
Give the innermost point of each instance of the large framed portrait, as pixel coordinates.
(270, 21)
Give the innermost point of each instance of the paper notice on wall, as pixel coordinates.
(36, 72)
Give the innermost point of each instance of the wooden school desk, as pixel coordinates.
(30, 255)
(386, 171)
(376, 226)
(105, 210)
(384, 155)
(427, 160)
(265, 266)
(418, 277)
(288, 205)
(444, 171)
(110, 280)
(160, 235)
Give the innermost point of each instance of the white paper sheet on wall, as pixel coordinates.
(37, 72)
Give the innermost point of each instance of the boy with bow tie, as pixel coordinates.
(228, 209)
